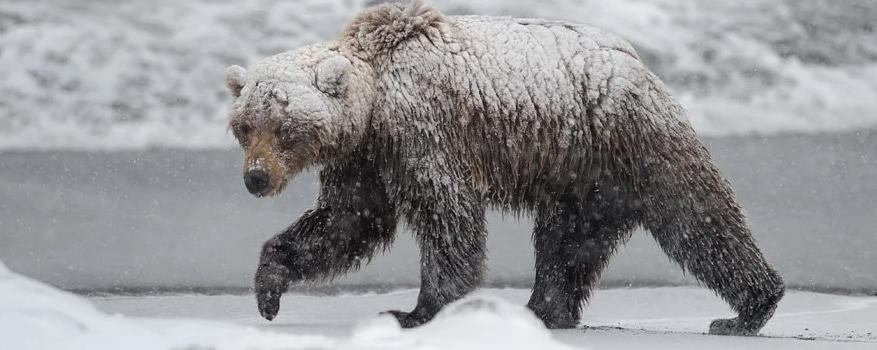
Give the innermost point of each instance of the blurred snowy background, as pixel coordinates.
(146, 73)
(116, 170)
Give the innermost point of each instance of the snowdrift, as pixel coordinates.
(36, 316)
(137, 74)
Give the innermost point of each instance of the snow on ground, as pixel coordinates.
(36, 316)
(647, 318)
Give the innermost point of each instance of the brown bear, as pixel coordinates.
(431, 119)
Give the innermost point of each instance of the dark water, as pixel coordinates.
(182, 219)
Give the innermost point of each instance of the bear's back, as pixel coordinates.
(539, 99)
(544, 31)
(517, 68)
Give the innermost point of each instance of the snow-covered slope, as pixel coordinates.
(36, 316)
(97, 74)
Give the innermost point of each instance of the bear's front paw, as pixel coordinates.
(269, 304)
(729, 326)
(406, 319)
(272, 279)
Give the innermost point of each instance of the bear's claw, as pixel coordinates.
(406, 319)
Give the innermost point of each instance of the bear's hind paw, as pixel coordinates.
(406, 319)
(730, 326)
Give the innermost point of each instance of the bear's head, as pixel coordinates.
(297, 109)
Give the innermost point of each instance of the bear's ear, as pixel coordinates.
(235, 79)
(332, 74)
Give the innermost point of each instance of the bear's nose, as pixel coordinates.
(256, 181)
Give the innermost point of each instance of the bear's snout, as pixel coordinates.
(256, 181)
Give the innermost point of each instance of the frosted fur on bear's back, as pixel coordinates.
(525, 106)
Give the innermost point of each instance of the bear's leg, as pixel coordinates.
(708, 237)
(352, 222)
(574, 240)
(320, 245)
(279, 261)
(452, 239)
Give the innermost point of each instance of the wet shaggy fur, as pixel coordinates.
(431, 119)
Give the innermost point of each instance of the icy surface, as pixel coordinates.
(108, 75)
(640, 318)
(36, 316)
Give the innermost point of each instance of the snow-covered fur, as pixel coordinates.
(431, 119)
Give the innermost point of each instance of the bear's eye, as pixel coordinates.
(242, 133)
(282, 133)
(286, 137)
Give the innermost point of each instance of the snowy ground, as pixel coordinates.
(648, 318)
(36, 316)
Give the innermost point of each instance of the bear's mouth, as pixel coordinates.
(276, 189)
(268, 169)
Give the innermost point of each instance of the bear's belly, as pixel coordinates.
(509, 178)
